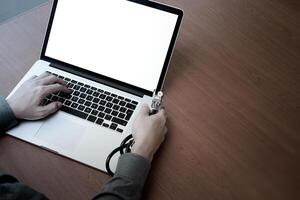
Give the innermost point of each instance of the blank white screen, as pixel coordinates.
(116, 38)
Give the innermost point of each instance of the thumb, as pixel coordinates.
(145, 110)
(51, 108)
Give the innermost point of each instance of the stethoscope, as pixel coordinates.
(126, 144)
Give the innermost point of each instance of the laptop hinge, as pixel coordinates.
(97, 78)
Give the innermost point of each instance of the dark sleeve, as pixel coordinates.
(7, 117)
(128, 181)
(10, 188)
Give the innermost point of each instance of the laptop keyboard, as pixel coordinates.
(94, 104)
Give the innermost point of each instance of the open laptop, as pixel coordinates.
(113, 54)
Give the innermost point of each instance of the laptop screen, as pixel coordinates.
(119, 39)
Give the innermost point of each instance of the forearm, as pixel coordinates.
(7, 117)
(128, 181)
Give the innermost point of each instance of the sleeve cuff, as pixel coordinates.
(7, 117)
(134, 167)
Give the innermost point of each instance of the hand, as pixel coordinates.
(148, 132)
(26, 101)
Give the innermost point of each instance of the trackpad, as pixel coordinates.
(61, 132)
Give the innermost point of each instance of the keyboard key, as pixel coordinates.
(87, 110)
(114, 113)
(134, 102)
(108, 98)
(116, 107)
(74, 99)
(95, 106)
(71, 91)
(121, 115)
(82, 95)
(81, 107)
(107, 110)
(61, 77)
(120, 130)
(61, 100)
(128, 117)
(116, 101)
(86, 86)
(113, 95)
(70, 85)
(129, 112)
(93, 88)
(79, 83)
(99, 121)
(68, 103)
(119, 121)
(128, 100)
(91, 118)
(113, 126)
(81, 101)
(96, 100)
(101, 114)
(49, 96)
(82, 89)
(102, 96)
(99, 90)
(54, 98)
(89, 91)
(108, 117)
(67, 79)
(73, 81)
(102, 102)
(87, 103)
(76, 87)
(131, 106)
(89, 98)
(76, 93)
(105, 125)
(109, 105)
(122, 109)
(120, 97)
(96, 94)
(74, 112)
(122, 103)
(107, 93)
(101, 108)
(95, 112)
(74, 105)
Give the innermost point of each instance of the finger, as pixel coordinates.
(49, 109)
(145, 110)
(48, 80)
(50, 89)
(162, 114)
(43, 75)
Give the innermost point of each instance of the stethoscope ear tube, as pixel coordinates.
(125, 144)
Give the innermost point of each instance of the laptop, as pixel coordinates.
(113, 56)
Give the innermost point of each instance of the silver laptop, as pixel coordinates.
(113, 55)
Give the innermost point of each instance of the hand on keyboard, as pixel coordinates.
(95, 105)
(27, 101)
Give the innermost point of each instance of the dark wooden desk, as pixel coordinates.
(232, 95)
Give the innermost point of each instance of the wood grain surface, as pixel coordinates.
(232, 97)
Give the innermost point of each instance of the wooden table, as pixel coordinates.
(232, 96)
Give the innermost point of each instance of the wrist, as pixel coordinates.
(13, 108)
(143, 151)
